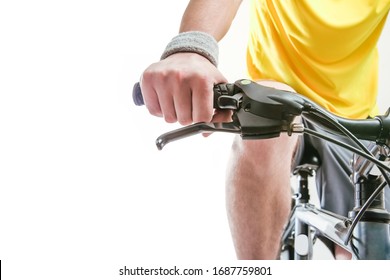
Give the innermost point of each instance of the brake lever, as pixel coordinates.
(256, 116)
(244, 124)
(194, 129)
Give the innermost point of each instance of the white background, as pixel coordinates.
(83, 189)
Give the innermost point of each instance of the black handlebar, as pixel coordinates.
(264, 112)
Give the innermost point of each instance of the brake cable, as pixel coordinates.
(364, 152)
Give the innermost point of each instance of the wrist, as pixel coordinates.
(195, 42)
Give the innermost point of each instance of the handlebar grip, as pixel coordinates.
(224, 89)
(138, 99)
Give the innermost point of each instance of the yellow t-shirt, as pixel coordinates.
(325, 49)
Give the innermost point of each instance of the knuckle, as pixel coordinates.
(169, 118)
(155, 111)
(205, 117)
(185, 121)
(148, 75)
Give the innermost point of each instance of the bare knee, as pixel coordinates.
(265, 155)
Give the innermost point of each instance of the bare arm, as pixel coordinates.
(212, 17)
(179, 87)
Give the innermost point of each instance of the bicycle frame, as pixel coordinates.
(261, 112)
(371, 236)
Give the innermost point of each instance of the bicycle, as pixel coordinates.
(261, 112)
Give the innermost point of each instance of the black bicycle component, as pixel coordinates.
(302, 234)
(195, 129)
(364, 188)
(303, 172)
(268, 102)
(367, 178)
(298, 237)
(262, 112)
(383, 137)
(226, 96)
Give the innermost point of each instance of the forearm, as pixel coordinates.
(211, 16)
(180, 86)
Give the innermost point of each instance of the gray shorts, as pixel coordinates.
(335, 189)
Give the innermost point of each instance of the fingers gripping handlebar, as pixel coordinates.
(262, 112)
(256, 98)
(225, 90)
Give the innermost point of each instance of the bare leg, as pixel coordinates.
(258, 194)
(341, 254)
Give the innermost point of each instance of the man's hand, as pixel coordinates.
(180, 88)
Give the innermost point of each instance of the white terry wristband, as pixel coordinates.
(195, 42)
